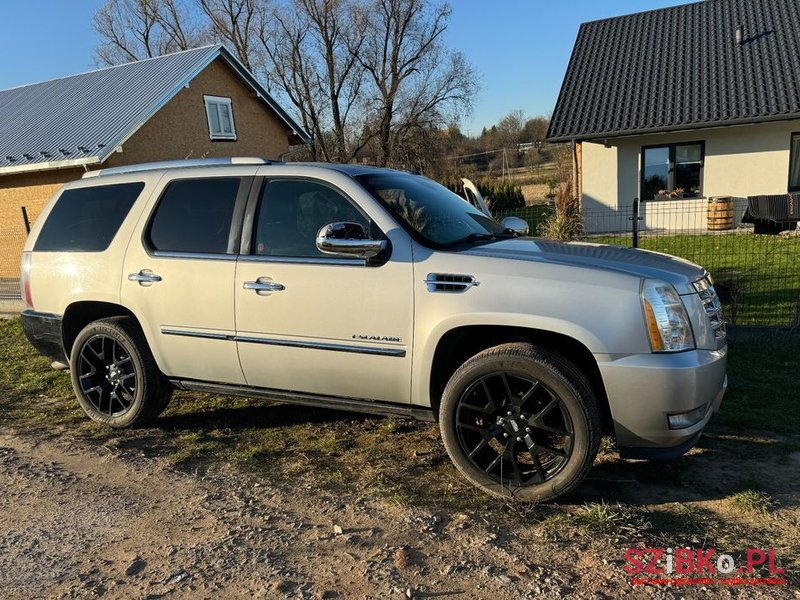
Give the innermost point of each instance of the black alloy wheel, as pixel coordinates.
(514, 428)
(115, 376)
(521, 422)
(106, 374)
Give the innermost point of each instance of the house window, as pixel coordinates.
(219, 111)
(672, 171)
(794, 164)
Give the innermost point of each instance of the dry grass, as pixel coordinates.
(567, 223)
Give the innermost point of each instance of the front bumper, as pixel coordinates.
(643, 390)
(43, 331)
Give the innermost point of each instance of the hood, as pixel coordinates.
(642, 263)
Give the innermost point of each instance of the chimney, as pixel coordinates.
(739, 35)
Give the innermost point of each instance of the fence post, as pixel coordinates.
(26, 220)
(635, 219)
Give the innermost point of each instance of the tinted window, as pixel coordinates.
(87, 219)
(291, 213)
(430, 209)
(195, 215)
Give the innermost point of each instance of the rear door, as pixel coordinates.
(322, 324)
(178, 276)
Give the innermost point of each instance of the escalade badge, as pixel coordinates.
(376, 338)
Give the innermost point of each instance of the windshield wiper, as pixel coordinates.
(473, 237)
(482, 237)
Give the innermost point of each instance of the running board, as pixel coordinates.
(372, 407)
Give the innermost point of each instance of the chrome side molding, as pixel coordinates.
(397, 352)
(246, 339)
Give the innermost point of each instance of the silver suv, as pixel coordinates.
(376, 291)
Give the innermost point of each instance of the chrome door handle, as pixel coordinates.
(144, 276)
(264, 286)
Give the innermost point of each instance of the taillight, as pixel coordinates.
(25, 279)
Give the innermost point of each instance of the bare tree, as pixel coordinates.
(535, 130)
(284, 45)
(510, 128)
(235, 22)
(137, 29)
(312, 47)
(128, 29)
(420, 84)
(359, 72)
(178, 21)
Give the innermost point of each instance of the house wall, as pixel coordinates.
(180, 129)
(31, 190)
(739, 162)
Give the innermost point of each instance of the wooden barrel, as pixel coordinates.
(720, 213)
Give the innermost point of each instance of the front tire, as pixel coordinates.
(115, 376)
(520, 422)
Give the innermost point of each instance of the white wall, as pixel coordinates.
(740, 161)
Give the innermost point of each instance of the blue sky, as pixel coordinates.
(520, 48)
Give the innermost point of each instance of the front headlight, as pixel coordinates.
(667, 321)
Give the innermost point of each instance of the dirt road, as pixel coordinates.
(80, 525)
(88, 521)
(80, 519)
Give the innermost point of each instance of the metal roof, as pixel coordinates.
(81, 119)
(682, 68)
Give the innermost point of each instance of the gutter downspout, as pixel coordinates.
(577, 172)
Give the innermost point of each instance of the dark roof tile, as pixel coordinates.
(680, 68)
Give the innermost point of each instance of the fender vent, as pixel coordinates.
(451, 283)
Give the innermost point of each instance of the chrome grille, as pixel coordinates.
(708, 295)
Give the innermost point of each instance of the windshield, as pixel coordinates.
(431, 210)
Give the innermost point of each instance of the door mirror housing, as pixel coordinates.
(348, 239)
(516, 225)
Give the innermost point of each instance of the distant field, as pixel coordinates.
(534, 181)
(535, 193)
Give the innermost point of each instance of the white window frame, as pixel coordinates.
(219, 103)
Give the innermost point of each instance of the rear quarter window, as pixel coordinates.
(195, 216)
(87, 219)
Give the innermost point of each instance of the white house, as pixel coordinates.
(679, 105)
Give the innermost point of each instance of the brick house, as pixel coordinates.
(192, 104)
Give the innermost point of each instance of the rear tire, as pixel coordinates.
(115, 376)
(520, 422)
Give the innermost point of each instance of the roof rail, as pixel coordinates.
(179, 164)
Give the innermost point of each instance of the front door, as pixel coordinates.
(178, 278)
(310, 322)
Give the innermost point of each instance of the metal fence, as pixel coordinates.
(757, 275)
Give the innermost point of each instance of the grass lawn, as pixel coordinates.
(757, 276)
(739, 488)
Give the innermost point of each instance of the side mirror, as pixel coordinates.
(348, 239)
(516, 225)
